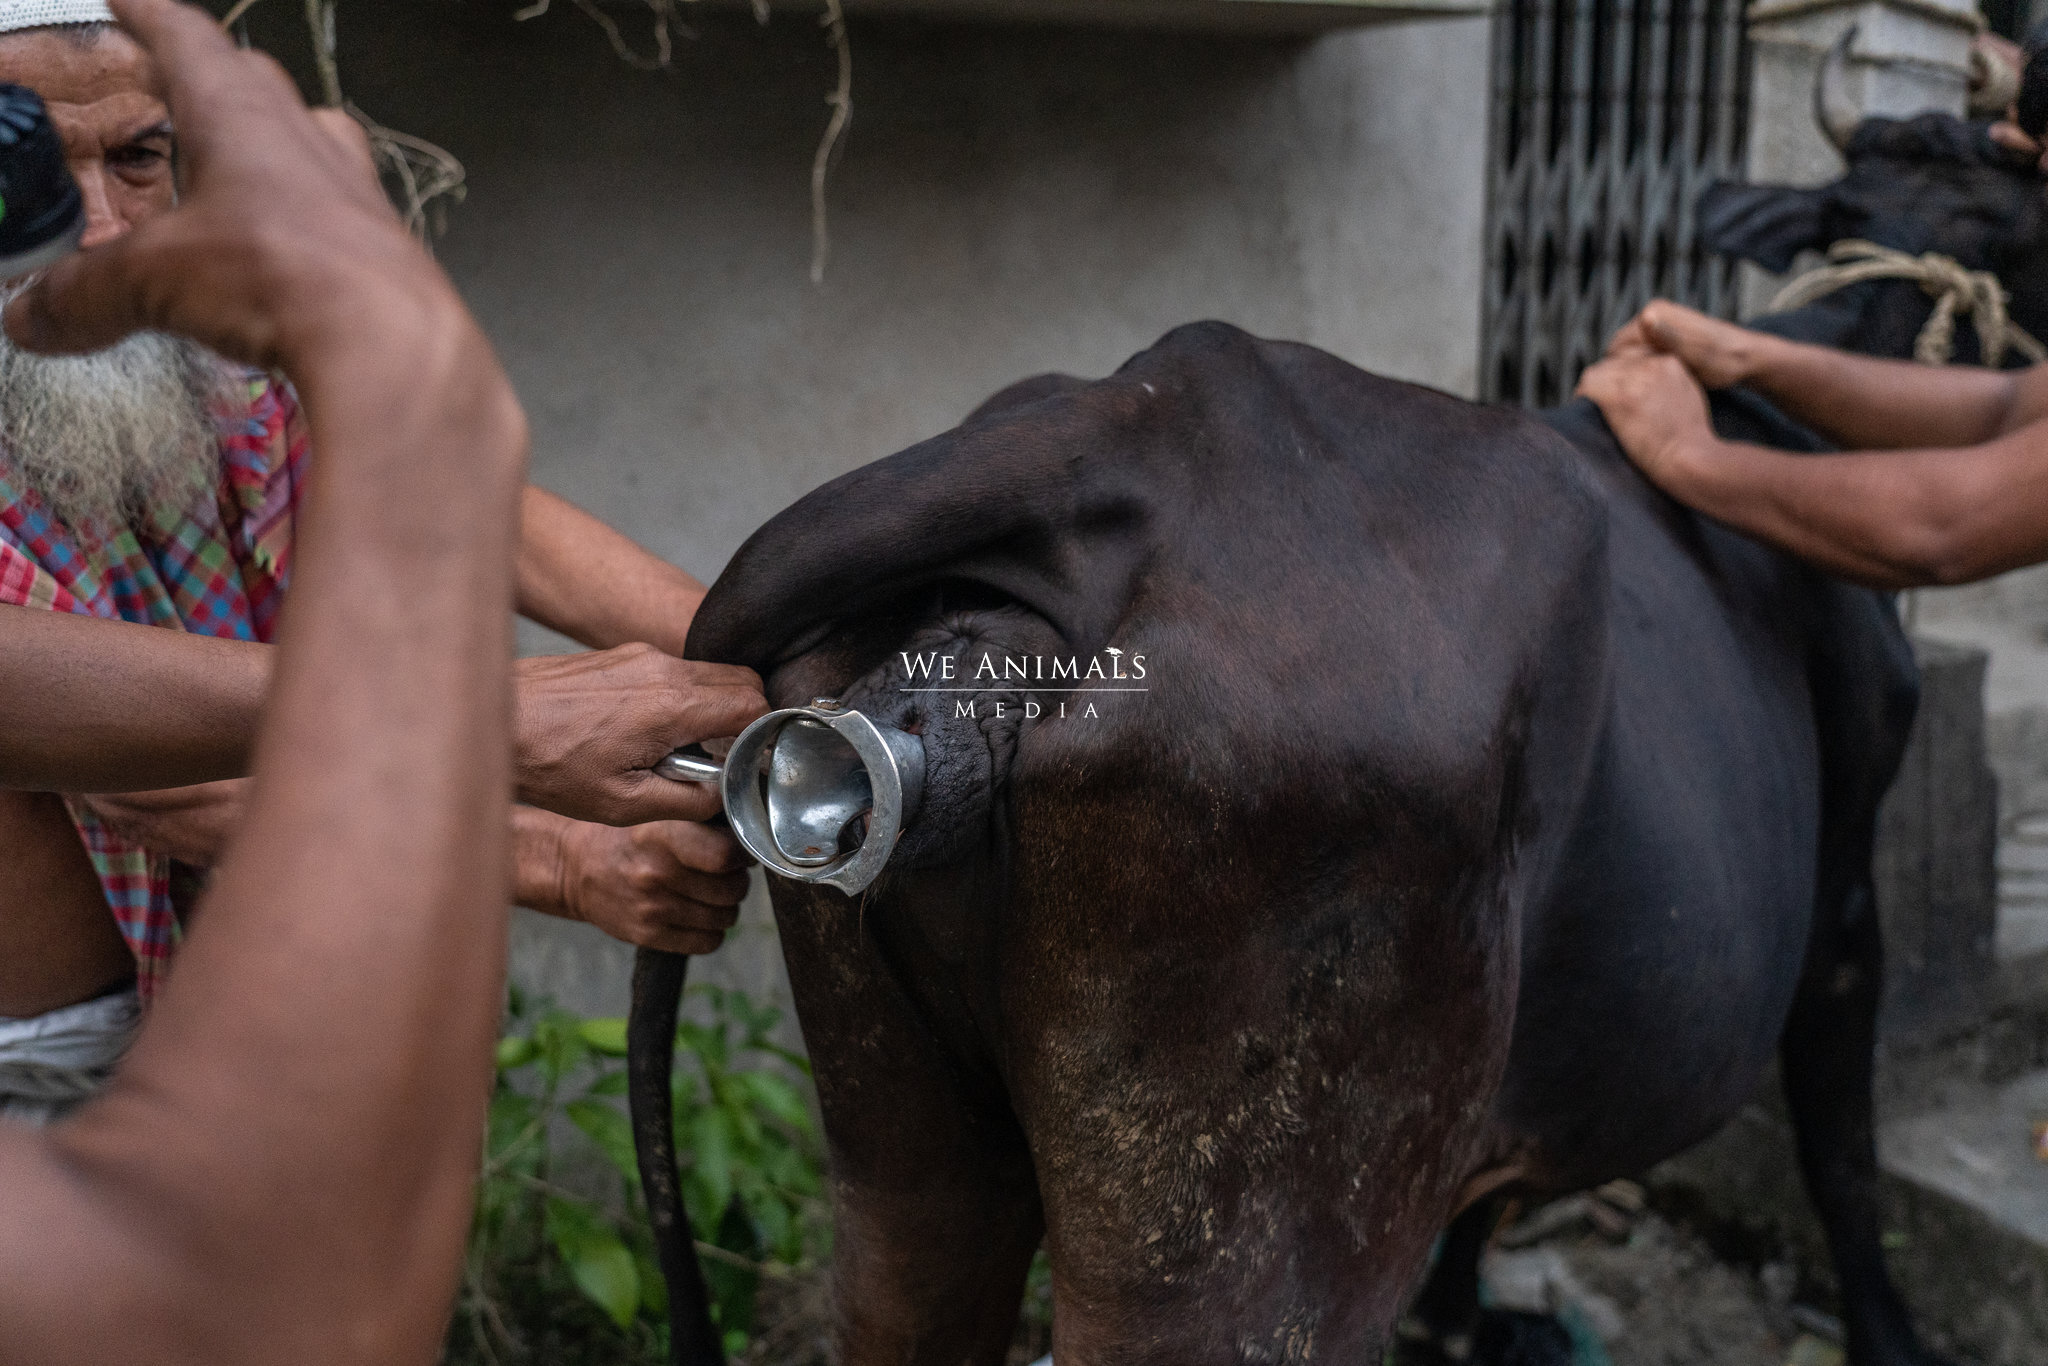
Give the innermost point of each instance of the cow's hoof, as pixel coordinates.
(1913, 1355)
(1901, 1347)
(1416, 1343)
(1508, 1337)
(1500, 1337)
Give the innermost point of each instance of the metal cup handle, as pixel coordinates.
(690, 764)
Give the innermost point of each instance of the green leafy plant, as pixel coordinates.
(558, 1273)
(1033, 1338)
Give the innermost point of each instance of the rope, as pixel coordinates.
(1975, 294)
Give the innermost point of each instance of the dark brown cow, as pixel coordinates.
(1489, 824)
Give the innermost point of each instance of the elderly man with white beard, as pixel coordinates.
(156, 483)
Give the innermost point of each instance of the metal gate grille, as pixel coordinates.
(1609, 117)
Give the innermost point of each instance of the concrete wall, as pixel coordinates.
(1009, 202)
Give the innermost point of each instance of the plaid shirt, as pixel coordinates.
(218, 567)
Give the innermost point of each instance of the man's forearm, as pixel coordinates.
(1866, 403)
(282, 1170)
(104, 706)
(1890, 519)
(580, 577)
(108, 707)
(320, 1060)
(363, 898)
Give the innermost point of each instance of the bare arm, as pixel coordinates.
(1891, 519)
(106, 706)
(1858, 402)
(282, 1171)
(580, 577)
(663, 884)
(588, 730)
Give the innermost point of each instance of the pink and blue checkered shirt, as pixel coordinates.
(218, 567)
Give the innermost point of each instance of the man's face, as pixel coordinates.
(102, 437)
(116, 132)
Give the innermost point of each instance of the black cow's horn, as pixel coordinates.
(1994, 81)
(1833, 110)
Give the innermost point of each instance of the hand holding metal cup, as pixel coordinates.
(817, 793)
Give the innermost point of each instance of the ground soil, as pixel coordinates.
(1651, 1290)
(1676, 1304)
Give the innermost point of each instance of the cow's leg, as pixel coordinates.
(1441, 1320)
(1445, 1325)
(935, 1208)
(1827, 1053)
(931, 1273)
(1248, 1121)
(1865, 692)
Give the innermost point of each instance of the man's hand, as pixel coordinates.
(2009, 135)
(2007, 132)
(1720, 354)
(1657, 410)
(671, 885)
(590, 728)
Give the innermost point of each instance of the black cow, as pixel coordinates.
(1933, 183)
(1488, 826)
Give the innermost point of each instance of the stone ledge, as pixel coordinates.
(1936, 857)
(1965, 1208)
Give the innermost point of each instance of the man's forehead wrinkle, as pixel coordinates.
(61, 71)
(117, 121)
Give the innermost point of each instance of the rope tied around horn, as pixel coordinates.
(1956, 291)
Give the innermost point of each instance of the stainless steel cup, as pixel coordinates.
(817, 793)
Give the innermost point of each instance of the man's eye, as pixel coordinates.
(136, 158)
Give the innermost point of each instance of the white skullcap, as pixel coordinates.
(19, 14)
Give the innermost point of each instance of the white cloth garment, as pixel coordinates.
(16, 14)
(49, 1063)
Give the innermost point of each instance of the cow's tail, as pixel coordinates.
(650, 1060)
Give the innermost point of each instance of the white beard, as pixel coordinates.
(102, 437)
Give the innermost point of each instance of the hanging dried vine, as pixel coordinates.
(841, 101)
(320, 24)
(426, 175)
(664, 22)
(425, 178)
